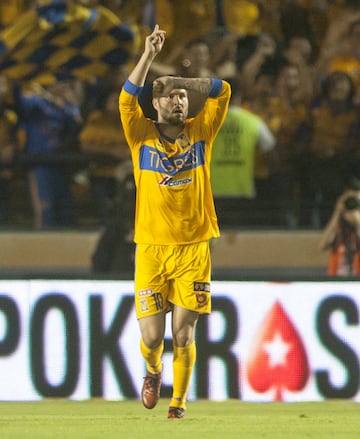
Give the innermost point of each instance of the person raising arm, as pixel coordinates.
(174, 216)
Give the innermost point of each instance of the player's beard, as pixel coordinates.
(176, 120)
(171, 118)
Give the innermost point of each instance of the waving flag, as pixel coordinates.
(58, 40)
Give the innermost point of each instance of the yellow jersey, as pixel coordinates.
(174, 202)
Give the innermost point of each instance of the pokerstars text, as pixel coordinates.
(67, 343)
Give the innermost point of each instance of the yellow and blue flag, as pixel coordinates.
(58, 40)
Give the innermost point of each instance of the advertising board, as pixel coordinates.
(263, 341)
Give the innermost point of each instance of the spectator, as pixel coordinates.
(299, 52)
(103, 134)
(340, 50)
(280, 99)
(223, 46)
(253, 54)
(260, 102)
(196, 60)
(332, 139)
(341, 234)
(49, 121)
(350, 62)
(232, 164)
(290, 104)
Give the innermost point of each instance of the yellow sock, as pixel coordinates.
(152, 357)
(183, 364)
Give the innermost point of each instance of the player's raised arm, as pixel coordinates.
(153, 45)
(165, 84)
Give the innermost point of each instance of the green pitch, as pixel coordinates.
(100, 419)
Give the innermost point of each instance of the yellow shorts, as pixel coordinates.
(172, 274)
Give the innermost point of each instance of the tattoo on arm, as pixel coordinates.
(201, 85)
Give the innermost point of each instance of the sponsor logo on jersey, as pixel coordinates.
(151, 159)
(169, 181)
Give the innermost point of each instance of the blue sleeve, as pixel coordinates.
(132, 89)
(216, 86)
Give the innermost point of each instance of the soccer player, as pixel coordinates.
(175, 216)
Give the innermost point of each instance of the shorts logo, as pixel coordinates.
(202, 290)
(202, 298)
(144, 293)
(144, 305)
(169, 181)
(202, 286)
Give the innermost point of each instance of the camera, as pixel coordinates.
(352, 203)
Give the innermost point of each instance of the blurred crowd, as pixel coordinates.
(295, 64)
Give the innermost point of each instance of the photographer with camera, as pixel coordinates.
(341, 235)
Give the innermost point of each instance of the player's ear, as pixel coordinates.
(155, 103)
